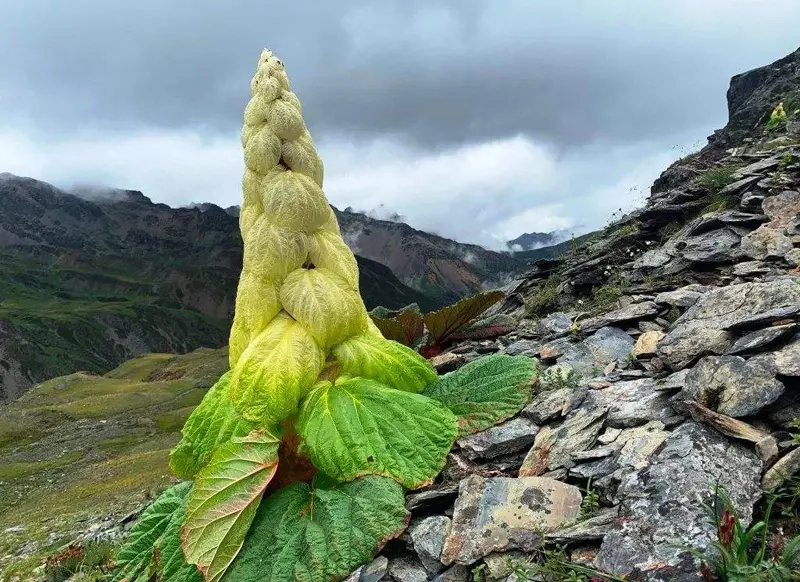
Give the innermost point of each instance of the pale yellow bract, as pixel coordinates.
(298, 294)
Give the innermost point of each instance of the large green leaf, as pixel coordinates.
(168, 555)
(386, 361)
(361, 427)
(486, 391)
(214, 422)
(450, 320)
(135, 556)
(224, 501)
(321, 534)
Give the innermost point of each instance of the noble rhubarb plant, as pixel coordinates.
(294, 465)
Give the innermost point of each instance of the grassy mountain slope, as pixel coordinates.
(78, 448)
(87, 284)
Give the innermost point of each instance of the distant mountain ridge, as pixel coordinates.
(91, 281)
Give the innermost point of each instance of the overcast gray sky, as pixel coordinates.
(476, 119)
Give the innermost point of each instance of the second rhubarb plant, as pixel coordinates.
(295, 463)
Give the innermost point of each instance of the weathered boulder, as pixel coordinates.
(647, 342)
(766, 242)
(782, 208)
(634, 402)
(704, 328)
(427, 536)
(554, 446)
(662, 505)
(785, 361)
(548, 405)
(503, 439)
(589, 357)
(632, 312)
(732, 385)
(499, 514)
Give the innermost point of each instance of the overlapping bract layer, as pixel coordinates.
(298, 295)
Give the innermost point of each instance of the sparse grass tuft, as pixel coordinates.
(545, 300)
(715, 179)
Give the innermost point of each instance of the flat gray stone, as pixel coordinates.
(652, 259)
(430, 499)
(548, 405)
(717, 246)
(662, 505)
(761, 338)
(589, 357)
(523, 348)
(457, 573)
(786, 360)
(632, 312)
(766, 242)
(683, 297)
(634, 402)
(407, 569)
(748, 268)
(733, 386)
(504, 439)
(500, 514)
(555, 323)
(554, 446)
(372, 572)
(786, 468)
(428, 537)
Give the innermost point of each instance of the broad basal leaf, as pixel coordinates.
(224, 501)
(320, 535)
(214, 422)
(135, 556)
(486, 391)
(361, 427)
(276, 371)
(455, 318)
(171, 565)
(386, 361)
(324, 304)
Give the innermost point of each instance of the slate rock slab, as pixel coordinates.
(499, 514)
(632, 312)
(662, 505)
(554, 446)
(634, 402)
(704, 328)
(504, 439)
(548, 405)
(786, 361)
(732, 385)
(761, 338)
(428, 537)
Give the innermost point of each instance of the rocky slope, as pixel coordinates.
(88, 283)
(670, 353)
(438, 267)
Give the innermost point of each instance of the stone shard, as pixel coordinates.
(499, 514)
(548, 405)
(646, 343)
(787, 467)
(428, 537)
(761, 338)
(733, 386)
(632, 312)
(504, 439)
(634, 402)
(554, 447)
(662, 505)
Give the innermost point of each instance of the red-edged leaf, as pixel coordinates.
(450, 320)
(224, 500)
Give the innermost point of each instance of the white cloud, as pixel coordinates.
(485, 193)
